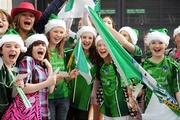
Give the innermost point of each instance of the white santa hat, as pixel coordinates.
(36, 37)
(13, 36)
(98, 38)
(176, 31)
(131, 33)
(53, 22)
(84, 29)
(156, 35)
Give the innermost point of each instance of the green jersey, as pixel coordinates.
(165, 74)
(61, 89)
(114, 104)
(5, 88)
(80, 91)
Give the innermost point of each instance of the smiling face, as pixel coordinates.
(157, 48)
(56, 35)
(26, 21)
(39, 50)
(4, 24)
(10, 52)
(102, 49)
(87, 40)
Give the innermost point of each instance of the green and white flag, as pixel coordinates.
(81, 62)
(128, 68)
(75, 8)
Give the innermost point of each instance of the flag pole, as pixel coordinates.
(74, 92)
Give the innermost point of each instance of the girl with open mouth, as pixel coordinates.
(11, 45)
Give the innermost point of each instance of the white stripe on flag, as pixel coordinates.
(158, 111)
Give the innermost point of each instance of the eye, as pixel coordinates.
(17, 46)
(84, 37)
(90, 38)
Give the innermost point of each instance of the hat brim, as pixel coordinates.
(15, 11)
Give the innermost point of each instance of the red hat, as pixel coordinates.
(25, 6)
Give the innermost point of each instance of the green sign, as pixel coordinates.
(135, 11)
(108, 11)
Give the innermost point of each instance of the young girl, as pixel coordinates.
(164, 69)
(28, 20)
(11, 45)
(130, 36)
(5, 22)
(175, 52)
(38, 84)
(114, 106)
(55, 30)
(109, 21)
(79, 90)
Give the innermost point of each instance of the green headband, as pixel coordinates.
(162, 30)
(53, 16)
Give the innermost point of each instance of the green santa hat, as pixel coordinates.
(53, 22)
(36, 37)
(13, 36)
(158, 34)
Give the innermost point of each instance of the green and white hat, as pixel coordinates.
(132, 33)
(36, 37)
(84, 29)
(98, 38)
(53, 22)
(158, 34)
(13, 36)
(176, 31)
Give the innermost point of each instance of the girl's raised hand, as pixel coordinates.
(73, 74)
(48, 65)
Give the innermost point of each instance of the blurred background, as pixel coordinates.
(139, 14)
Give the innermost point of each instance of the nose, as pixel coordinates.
(156, 45)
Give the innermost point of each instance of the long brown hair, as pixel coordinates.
(16, 23)
(59, 46)
(29, 52)
(2, 12)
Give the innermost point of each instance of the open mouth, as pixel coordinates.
(40, 52)
(12, 56)
(1, 26)
(157, 50)
(86, 44)
(103, 52)
(27, 23)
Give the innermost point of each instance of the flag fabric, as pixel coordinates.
(69, 5)
(75, 8)
(97, 7)
(159, 112)
(128, 68)
(81, 62)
